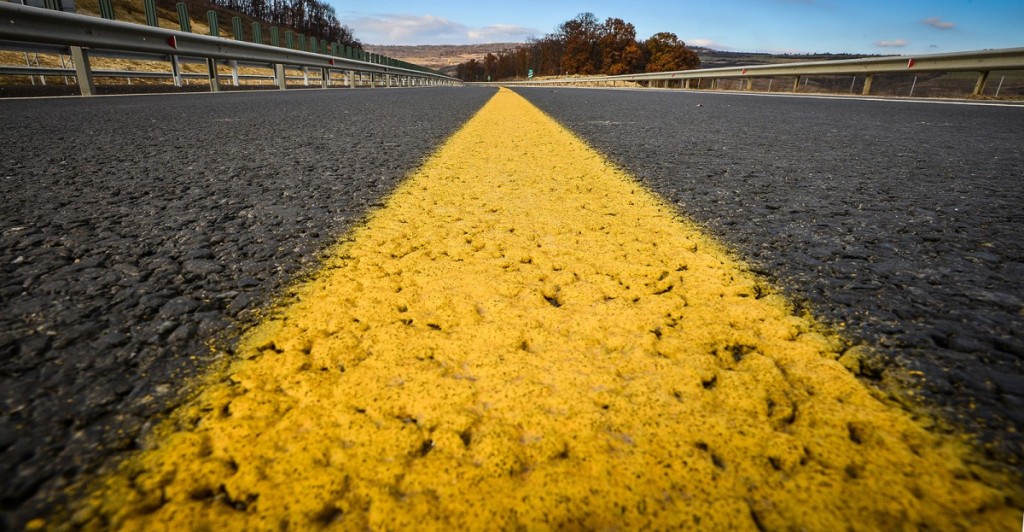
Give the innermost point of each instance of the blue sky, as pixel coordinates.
(778, 26)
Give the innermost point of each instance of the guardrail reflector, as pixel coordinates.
(910, 64)
(332, 62)
(173, 41)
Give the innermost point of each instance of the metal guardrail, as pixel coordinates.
(983, 62)
(82, 36)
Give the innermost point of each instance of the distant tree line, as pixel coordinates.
(315, 18)
(584, 45)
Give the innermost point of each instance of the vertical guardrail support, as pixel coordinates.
(796, 84)
(234, 73)
(979, 86)
(211, 65)
(175, 71)
(279, 77)
(185, 23)
(325, 78)
(82, 71)
(867, 84)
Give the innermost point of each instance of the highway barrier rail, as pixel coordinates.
(25, 28)
(983, 62)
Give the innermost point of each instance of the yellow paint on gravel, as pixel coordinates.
(524, 336)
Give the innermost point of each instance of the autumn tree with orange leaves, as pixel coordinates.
(665, 53)
(585, 46)
(620, 53)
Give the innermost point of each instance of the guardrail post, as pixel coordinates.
(211, 18)
(979, 86)
(796, 84)
(867, 84)
(185, 23)
(211, 65)
(234, 73)
(82, 71)
(149, 6)
(175, 71)
(107, 9)
(279, 77)
(351, 77)
(325, 78)
(750, 84)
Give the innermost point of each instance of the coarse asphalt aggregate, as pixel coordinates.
(899, 223)
(136, 229)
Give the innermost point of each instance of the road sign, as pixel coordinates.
(529, 74)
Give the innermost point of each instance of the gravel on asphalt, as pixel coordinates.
(135, 229)
(899, 223)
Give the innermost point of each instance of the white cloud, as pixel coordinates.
(403, 29)
(707, 43)
(937, 22)
(501, 33)
(895, 43)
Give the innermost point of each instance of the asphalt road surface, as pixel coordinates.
(135, 229)
(900, 223)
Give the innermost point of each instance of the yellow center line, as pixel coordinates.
(524, 336)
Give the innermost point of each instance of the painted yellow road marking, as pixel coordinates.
(524, 336)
